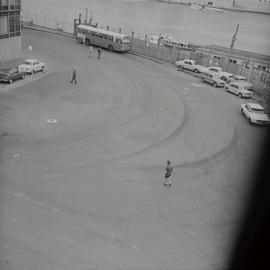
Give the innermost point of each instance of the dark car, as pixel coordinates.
(10, 75)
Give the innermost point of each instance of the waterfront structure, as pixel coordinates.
(10, 30)
(261, 6)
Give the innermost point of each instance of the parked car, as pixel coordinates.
(243, 80)
(255, 113)
(212, 79)
(10, 75)
(190, 65)
(238, 89)
(226, 76)
(31, 66)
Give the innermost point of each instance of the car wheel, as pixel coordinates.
(10, 81)
(110, 48)
(42, 69)
(223, 78)
(196, 70)
(242, 111)
(214, 84)
(202, 80)
(226, 89)
(240, 95)
(180, 67)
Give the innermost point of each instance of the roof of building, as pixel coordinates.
(240, 54)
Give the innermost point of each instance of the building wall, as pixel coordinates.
(10, 30)
(10, 48)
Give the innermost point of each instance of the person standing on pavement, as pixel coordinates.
(74, 76)
(169, 169)
(91, 50)
(99, 52)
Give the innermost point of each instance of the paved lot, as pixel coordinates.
(82, 165)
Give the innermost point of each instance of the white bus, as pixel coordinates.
(90, 35)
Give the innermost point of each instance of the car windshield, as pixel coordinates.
(257, 110)
(27, 63)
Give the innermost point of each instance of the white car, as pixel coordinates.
(238, 89)
(212, 79)
(31, 66)
(190, 65)
(243, 80)
(225, 76)
(255, 114)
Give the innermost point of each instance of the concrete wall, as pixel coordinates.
(10, 48)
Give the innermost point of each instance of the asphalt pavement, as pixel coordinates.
(82, 165)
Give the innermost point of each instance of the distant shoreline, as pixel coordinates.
(215, 6)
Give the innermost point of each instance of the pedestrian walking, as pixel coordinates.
(74, 76)
(91, 51)
(99, 52)
(167, 179)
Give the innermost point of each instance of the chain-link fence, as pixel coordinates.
(48, 22)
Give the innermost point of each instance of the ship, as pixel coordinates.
(258, 6)
(169, 41)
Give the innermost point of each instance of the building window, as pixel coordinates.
(14, 25)
(3, 27)
(3, 4)
(233, 61)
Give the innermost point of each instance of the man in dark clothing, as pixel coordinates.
(169, 169)
(99, 52)
(74, 76)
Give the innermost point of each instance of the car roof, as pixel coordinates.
(239, 83)
(240, 77)
(6, 70)
(255, 106)
(30, 60)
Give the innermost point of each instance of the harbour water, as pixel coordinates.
(152, 17)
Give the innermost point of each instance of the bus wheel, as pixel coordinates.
(87, 42)
(110, 48)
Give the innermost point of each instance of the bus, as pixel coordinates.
(90, 35)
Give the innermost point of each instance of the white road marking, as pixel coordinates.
(51, 121)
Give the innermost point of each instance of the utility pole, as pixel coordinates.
(86, 14)
(234, 37)
(231, 48)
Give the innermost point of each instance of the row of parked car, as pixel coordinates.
(235, 84)
(29, 66)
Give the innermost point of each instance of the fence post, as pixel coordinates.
(173, 54)
(145, 44)
(158, 48)
(132, 40)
